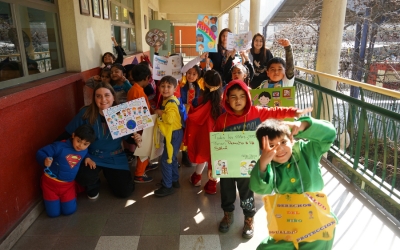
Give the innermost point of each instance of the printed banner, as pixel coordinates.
(299, 217)
(239, 42)
(233, 154)
(206, 33)
(273, 97)
(147, 148)
(155, 37)
(167, 66)
(128, 117)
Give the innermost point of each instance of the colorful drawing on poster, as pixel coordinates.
(126, 118)
(239, 42)
(206, 33)
(276, 94)
(155, 37)
(163, 66)
(273, 97)
(233, 154)
(277, 103)
(287, 93)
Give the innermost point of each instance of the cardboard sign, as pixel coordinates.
(128, 117)
(239, 42)
(273, 97)
(167, 66)
(206, 33)
(299, 217)
(233, 154)
(155, 37)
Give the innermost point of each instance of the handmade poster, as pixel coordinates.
(147, 148)
(206, 33)
(299, 217)
(167, 66)
(273, 97)
(155, 37)
(128, 117)
(233, 154)
(239, 42)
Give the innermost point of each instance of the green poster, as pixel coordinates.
(273, 97)
(233, 154)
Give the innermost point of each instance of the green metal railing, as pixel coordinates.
(367, 146)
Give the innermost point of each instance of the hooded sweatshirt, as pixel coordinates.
(252, 115)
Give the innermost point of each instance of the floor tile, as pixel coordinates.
(161, 224)
(76, 243)
(199, 242)
(117, 242)
(35, 243)
(46, 226)
(85, 224)
(123, 225)
(198, 223)
(170, 242)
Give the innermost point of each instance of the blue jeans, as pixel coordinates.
(170, 170)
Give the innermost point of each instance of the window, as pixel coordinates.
(29, 42)
(123, 24)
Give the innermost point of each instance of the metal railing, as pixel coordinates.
(367, 145)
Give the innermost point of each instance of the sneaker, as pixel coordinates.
(248, 228)
(210, 187)
(226, 222)
(185, 159)
(142, 179)
(151, 167)
(164, 191)
(195, 179)
(175, 184)
(93, 197)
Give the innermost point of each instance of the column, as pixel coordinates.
(232, 20)
(222, 22)
(254, 26)
(329, 46)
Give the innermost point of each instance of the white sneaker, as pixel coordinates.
(93, 197)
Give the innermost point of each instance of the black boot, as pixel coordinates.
(185, 159)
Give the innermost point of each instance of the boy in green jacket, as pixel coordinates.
(291, 167)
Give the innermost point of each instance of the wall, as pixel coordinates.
(188, 34)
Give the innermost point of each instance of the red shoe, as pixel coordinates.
(195, 179)
(210, 187)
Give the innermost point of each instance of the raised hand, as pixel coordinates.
(267, 153)
(284, 42)
(301, 112)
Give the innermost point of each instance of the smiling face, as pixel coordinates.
(191, 75)
(103, 98)
(116, 74)
(283, 150)
(108, 59)
(237, 99)
(258, 43)
(167, 89)
(276, 72)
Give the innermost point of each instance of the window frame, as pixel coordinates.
(124, 25)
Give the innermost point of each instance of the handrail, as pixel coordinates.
(373, 88)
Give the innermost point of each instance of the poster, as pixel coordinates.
(273, 97)
(128, 117)
(239, 42)
(206, 33)
(233, 154)
(155, 37)
(167, 66)
(147, 147)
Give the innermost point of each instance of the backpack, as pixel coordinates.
(182, 111)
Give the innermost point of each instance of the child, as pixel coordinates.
(139, 77)
(280, 74)
(169, 123)
(61, 161)
(284, 162)
(238, 71)
(240, 115)
(120, 84)
(108, 58)
(259, 56)
(105, 76)
(200, 122)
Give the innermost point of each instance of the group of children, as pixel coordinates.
(212, 107)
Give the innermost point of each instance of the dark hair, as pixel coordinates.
(92, 112)
(105, 70)
(273, 129)
(118, 66)
(276, 60)
(108, 53)
(170, 80)
(213, 79)
(220, 47)
(140, 72)
(85, 132)
(145, 63)
(242, 67)
(199, 71)
(265, 94)
(233, 87)
(263, 50)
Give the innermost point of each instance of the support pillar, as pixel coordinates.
(222, 22)
(329, 47)
(254, 26)
(232, 20)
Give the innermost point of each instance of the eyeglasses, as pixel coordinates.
(48, 171)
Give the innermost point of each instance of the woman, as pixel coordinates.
(106, 152)
(219, 58)
(259, 56)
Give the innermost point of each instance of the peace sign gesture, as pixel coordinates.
(267, 153)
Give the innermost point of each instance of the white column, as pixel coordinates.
(222, 22)
(330, 43)
(254, 25)
(232, 20)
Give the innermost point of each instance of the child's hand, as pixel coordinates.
(156, 48)
(267, 153)
(91, 163)
(232, 53)
(138, 139)
(244, 54)
(159, 112)
(300, 112)
(48, 161)
(296, 127)
(204, 55)
(97, 78)
(209, 174)
(284, 42)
